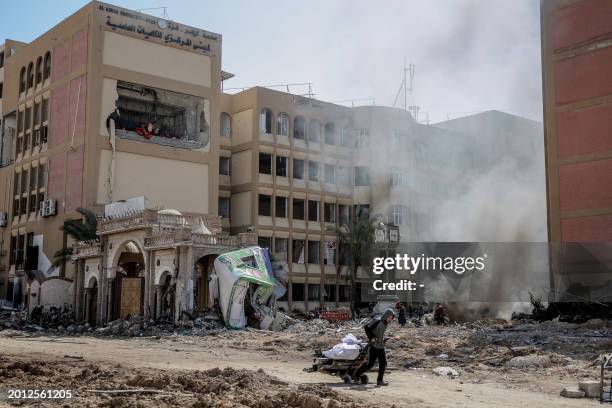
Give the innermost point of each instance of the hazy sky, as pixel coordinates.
(470, 55)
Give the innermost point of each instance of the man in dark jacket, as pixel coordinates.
(377, 347)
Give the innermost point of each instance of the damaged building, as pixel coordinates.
(123, 113)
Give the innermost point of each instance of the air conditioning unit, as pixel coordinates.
(3, 219)
(48, 208)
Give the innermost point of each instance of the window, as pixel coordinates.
(22, 80)
(265, 242)
(17, 184)
(344, 291)
(298, 169)
(23, 206)
(313, 210)
(47, 66)
(330, 173)
(1, 59)
(28, 118)
(282, 124)
(398, 214)
(281, 166)
(1, 89)
(329, 257)
(39, 70)
(30, 75)
(314, 132)
(362, 176)
(343, 176)
(45, 110)
(226, 125)
(299, 128)
(24, 181)
(16, 203)
(33, 203)
(298, 209)
(398, 177)
(297, 249)
(42, 175)
(265, 163)
(330, 133)
(345, 137)
(33, 178)
(329, 212)
(297, 292)
(313, 252)
(330, 292)
(224, 166)
(362, 138)
(280, 207)
(344, 212)
(265, 205)
(314, 291)
(280, 248)
(224, 207)
(313, 170)
(37, 114)
(265, 121)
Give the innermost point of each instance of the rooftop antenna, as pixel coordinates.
(407, 85)
(162, 8)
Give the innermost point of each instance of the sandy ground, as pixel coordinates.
(537, 387)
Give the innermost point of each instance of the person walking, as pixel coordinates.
(376, 333)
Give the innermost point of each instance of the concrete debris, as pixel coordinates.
(572, 392)
(529, 361)
(446, 372)
(592, 389)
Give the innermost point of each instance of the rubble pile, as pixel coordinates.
(39, 320)
(95, 384)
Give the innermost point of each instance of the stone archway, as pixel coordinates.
(203, 267)
(128, 285)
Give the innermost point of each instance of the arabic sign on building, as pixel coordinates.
(158, 29)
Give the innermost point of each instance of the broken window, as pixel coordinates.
(282, 124)
(298, 169)
(362, 176)
(42, 175)
(265, 163)
(297, 292)
(224, 207)
(314, 132)
(299, 128)
(281, 166)
(22, 80)
(30, 75)
(313, 210)
(344, 291)
(330, 173)
(226, 125)
(265, 121)
(265, 205)
(330, 133)
(280, 248)
(164, 117)
(329, 257)
(39, 71)
(280, 207)
(264, 242)
(298, 209)
(313, 170)
(329, 212)
(47, 66)
(313, 252)
(224, 166)
(314, 291)
(297, 249)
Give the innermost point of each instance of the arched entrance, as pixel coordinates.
(165, 295)
(129, 284)
(204, 267)
(91, 301)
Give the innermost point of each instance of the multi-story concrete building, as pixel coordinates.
(112, 104)
(576, 64)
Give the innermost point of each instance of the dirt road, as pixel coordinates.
(407, 387)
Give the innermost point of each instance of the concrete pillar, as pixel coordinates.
(147, 282)
(158, 303)
(109, 300)
(184, 282)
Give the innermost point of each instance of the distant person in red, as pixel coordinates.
(439, 314)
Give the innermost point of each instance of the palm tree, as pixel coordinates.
(356, 237)
(80, 230)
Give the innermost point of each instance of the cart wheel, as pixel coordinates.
(364, 378)
(346, 378)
